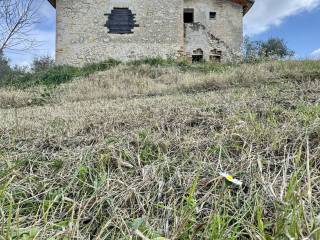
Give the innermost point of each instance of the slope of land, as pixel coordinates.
(136, 152)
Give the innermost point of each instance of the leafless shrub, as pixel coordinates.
(42, 63)
(16, 20)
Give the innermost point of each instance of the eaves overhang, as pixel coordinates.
(247, 4)
(52, 2)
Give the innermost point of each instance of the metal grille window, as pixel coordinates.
(121, 21)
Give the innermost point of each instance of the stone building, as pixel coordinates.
(96, 30)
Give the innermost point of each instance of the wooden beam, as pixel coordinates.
(247, 4)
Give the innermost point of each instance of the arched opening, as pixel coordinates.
(197, 55)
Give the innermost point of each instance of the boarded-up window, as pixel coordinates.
(121, 21)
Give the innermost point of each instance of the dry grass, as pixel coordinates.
(128, 81)
(130, 152)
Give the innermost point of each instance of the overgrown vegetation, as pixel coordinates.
(136, 152)
(42, 63)
(4, 67)
(151, 77)
(44, 73)
(182, 65)
(271, 49)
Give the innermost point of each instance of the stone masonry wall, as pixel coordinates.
(83, 38)
(224, 33)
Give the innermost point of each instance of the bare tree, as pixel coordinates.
(16, 20)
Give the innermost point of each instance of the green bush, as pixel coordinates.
(49, 75)
(271, 49)
(182, 65)
(101, 66)
(157, 61)
(53, 76)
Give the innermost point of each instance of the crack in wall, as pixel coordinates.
(216, 49)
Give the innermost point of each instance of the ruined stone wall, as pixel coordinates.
(83, 38)
(224, 33)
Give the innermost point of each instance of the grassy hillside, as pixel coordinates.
(136, 151)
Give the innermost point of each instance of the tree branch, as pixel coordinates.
(16, 20)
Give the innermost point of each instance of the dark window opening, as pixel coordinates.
(213, 15)
(215, 58)
(188, 16)
(216, 55)
(197, 56)
(121, 21)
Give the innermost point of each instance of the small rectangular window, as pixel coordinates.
(188, 16)
(213, 15)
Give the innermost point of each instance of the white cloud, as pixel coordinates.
(267, 13)
(315, 54)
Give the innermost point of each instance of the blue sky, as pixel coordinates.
(296, 21)
(300, 32)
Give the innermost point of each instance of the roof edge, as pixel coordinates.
(247, 4)
(52, 2)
